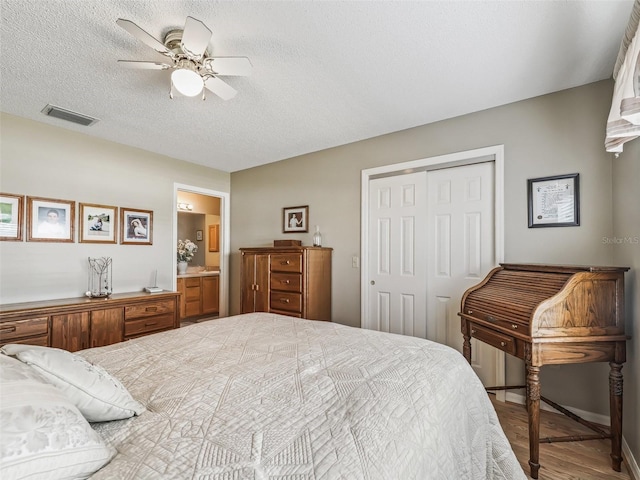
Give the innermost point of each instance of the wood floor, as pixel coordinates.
(558, 461)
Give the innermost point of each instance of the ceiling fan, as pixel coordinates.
(193, 68)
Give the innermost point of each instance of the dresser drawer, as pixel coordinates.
(288, 314)
(192, 282)
(286, 262)
(289, 282)
(10, 332)
(291, 302)
(503, 342)
(143, 326)
(149, 309)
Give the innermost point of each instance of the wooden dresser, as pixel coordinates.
(549, 314)
(78, 323)
(294, 281)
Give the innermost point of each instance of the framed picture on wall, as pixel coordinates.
(11, 208)
(98, 223)
(295, 219)
(136, 226)
(554, 201)
(50, 220)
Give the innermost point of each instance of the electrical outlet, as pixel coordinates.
(355, 262)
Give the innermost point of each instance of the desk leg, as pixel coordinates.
(533, 411)
(466, 347)
(615, 409)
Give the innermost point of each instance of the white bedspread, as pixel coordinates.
(263, 396)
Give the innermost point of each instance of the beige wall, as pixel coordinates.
(555, 134)
(625, 246)
(46, 161)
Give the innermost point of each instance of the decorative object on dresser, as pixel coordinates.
(78, 323)
(295, 219)
(294, 281)
(550, 314)
(98, 223)
(136, 227)
(11, 208)
(50, 220)
(317, 237)
(100, 277)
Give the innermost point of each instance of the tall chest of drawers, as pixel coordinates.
(294, 281)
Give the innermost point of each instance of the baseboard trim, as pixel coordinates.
(590, 416)
(629, 459)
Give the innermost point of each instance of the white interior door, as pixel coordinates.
(397, 257)
(461, 251)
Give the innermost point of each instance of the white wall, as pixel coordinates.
(37, 159)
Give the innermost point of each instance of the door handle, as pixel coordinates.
(373, 282)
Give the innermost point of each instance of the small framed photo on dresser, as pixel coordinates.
(11, 220)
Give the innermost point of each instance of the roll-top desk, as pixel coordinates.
(549, 314)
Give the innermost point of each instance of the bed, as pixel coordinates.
(265, 396)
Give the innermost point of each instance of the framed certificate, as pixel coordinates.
(554, 201)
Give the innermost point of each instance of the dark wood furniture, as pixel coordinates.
(294, 281)
(548, 314)
(78, 323)
(200, 295)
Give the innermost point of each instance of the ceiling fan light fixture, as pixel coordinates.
(186, 80)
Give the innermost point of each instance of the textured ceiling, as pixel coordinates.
(326, 73)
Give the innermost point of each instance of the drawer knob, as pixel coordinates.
(151, 309)
(514, 326)
(503, 344)
(284, 300)
(286, 262)
(286, 282)
(469, 312)
(8, 329)
(473, 332)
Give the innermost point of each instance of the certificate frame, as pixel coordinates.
(554, 201)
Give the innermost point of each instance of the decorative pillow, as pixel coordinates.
(44, 436)
(99, 396)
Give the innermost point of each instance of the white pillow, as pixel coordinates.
(99, 396)
(44, 436)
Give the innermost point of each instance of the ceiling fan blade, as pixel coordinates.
(220, 88)
(234, 66)
(144, 65)
(195, 38)
(143, 36)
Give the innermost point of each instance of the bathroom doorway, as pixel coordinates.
(202, 216)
